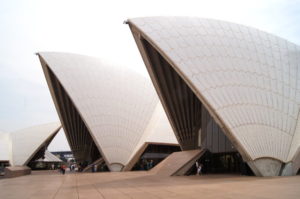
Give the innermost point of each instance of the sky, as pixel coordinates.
(95, 27)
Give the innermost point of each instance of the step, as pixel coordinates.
(177, 163)
(89, 167)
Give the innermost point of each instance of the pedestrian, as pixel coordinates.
(63, 169)
(52, 166)
(141, 166)
(151, 164)
(198, 167)
(199, 171)
(95, 168)
(146, 165)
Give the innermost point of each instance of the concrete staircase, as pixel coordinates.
(178, 163)
(90, 166)
(16, 171)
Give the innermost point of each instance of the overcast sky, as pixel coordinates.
(96, 28)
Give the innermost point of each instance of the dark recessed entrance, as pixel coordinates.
(222, 163)
(155, 153)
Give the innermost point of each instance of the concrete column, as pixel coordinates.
(287, 170)
(115, 167)
(265, 167)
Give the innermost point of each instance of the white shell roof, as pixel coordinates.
(49, 157)
(115, 102)
(160, 130)
(249, 78)
(26, 142)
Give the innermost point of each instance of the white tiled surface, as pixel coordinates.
(50, 157)
(25, 142)
(5, 146)
(158, 130)
(250, 78)
(296, 141)
(116, 103)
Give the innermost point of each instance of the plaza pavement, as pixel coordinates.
(125, 185)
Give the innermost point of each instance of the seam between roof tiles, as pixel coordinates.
(257, 52)
(253, 104)
(229, 70)
(259, 124)
(249, 86)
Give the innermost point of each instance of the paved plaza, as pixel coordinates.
(46, 185)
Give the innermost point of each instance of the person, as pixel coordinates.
(147, 165)
(198, 167)
(63, 169)
(151, 164)
(145, 162)
(142, 166)
(95, 168)
(52, 166)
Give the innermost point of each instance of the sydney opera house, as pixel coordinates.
(111, 116)
(226, 87)
(109, 113)
(22, 147)
(227, 91)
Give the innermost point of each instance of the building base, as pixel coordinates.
(16, 171)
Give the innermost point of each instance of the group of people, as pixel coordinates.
(72, 167)
(62, 168)
(145, 165)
